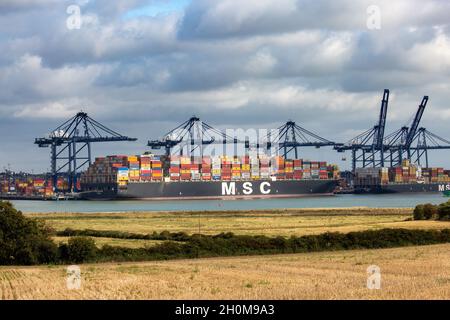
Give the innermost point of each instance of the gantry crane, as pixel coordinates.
(368, 147)
(398, 144)
(413, 143)
(70, 145)
(290, 136)
(192, 135)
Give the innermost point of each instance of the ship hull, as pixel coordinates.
(199, 190)
(404, 188)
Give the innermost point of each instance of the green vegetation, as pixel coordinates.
(28, 241)
(24, 241)
(432, 212)
(164, 235)
(181, 245)
(80, 249)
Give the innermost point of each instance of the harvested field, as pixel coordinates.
(407, 273)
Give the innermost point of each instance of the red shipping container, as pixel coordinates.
(206, 161)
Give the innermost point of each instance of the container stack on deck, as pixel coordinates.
(216, 169)
(106, 169)
(407, 173)
(149, 168)
(206, 169)
(146, 168)
(174, 169)
(157, 171)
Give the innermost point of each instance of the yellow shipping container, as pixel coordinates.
(185, 160)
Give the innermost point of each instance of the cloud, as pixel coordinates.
(243, 64)
(57, 110)
(28, 81)
(11, 6)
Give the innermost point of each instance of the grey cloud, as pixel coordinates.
(252, 64)
(205, 18)
(14, 6)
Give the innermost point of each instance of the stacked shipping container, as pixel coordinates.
(405, 174)
(148, 167)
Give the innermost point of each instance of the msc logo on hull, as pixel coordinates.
(444, 187)
(229, 188)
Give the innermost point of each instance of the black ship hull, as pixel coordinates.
(403, 188)
(209, 190)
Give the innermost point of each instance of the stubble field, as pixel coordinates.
(406, 273)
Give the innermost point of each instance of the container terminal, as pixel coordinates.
(177, 167)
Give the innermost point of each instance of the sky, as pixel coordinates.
(141, 67)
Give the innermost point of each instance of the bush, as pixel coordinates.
(81, 249)
(444, 211)
(430, 211)
(23, 241)
(419, 213)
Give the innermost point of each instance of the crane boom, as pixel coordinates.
(415, 125)
(380, 128)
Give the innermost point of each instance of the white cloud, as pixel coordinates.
(50, 110)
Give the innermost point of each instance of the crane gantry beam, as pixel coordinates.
(290, 136)
(193, 134)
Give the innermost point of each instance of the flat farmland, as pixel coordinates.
(407, 273)
(269, 223)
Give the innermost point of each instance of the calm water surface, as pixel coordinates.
(340, 201)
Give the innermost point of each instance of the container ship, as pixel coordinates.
(402, 179)
(156, 177)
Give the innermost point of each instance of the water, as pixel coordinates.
(339, 201)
